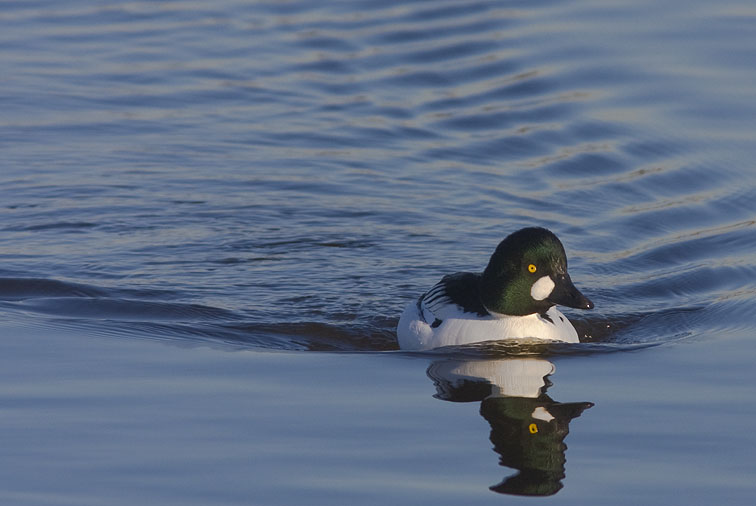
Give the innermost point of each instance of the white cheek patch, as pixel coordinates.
(542, 288)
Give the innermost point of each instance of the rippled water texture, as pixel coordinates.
(288, 175)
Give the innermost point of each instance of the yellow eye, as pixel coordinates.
(532, 268)
(533, 428)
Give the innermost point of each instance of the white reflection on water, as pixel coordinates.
(528, 427)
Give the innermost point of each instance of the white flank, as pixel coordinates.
(459, 328)
(542, 288)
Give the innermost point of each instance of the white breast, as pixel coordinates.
(466, 328)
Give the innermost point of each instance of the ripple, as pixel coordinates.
(501, 349)
(311, 167)
(63, 225)
(123, 309)
(22, 288)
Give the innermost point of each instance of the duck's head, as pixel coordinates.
(528, 274)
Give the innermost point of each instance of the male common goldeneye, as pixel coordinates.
(514, 297)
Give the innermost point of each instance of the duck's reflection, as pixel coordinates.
(527, 426)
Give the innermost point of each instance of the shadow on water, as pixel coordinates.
(160, 314)
(528, 427)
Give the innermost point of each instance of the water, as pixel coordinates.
(213, 214)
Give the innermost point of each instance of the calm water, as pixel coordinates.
(214, 213)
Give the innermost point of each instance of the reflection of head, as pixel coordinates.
(529, 435)
(527, 426)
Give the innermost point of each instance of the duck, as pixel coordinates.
(515, 297)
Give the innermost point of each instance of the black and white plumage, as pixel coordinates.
(513, 298)
(454, 293)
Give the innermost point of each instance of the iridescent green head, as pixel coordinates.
(528, 274)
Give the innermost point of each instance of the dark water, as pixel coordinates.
(197, 197)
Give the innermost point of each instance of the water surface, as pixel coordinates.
(198, 201)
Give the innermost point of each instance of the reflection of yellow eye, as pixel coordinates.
(531, 268)
(533, 428)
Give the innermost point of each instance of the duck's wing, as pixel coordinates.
(456, 295)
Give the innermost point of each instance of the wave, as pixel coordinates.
(136, 313)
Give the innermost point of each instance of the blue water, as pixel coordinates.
(212, 215)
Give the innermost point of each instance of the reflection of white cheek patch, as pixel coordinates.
(541, 413)
(542, 288)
